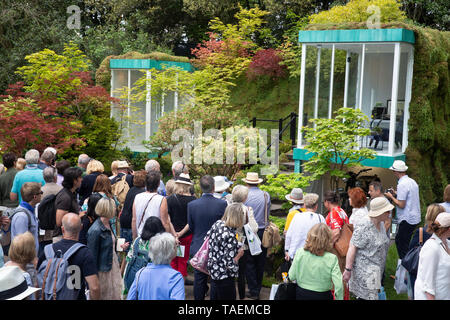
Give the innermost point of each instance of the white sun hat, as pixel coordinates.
(399, 166)
(220, 184)
(13, 285)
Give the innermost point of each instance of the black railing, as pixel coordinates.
(292, 124)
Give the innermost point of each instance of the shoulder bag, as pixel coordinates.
(200, 260)
(342, 244)
(411, 260)
(143, 212)
(271, 236)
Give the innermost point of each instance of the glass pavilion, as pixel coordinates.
(368, 69)
(140, 118)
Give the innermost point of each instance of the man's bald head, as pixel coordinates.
(71, 224)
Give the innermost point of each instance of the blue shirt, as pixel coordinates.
(407, 189)
(446, 206)
(19, 223)
(161, 189)
(31, 173)
(256, 200)
(157, 282)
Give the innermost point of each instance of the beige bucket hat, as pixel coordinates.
(378, 206)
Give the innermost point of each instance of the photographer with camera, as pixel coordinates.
(406, 200)
(375, 191)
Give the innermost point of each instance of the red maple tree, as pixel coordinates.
(266, 62)
(40, 119)
(28, 123)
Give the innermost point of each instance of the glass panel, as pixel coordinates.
(310, 87)
(338, 80)
(137, 111)
(324, 83)
(352, 80)
(156, 113)
(398, 142)
(377, 90)
(169, 102)
(119, 87)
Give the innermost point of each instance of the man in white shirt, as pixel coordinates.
(301, 224)
(407, 202)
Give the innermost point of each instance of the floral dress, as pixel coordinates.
(223, 247)
(370, 259)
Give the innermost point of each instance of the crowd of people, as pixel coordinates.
(130, 235)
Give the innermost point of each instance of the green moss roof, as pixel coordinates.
(103, 74)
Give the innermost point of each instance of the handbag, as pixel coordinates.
(411, 260)
(286, 291)
(271, 236)
(342, 244)
(254, 244)
(200, 260)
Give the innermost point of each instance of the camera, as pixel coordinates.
(5, 211)
(391, 191)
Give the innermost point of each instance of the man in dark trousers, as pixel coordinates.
(202, 213)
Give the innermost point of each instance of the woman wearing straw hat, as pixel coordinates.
(177, 206)
(367, 252)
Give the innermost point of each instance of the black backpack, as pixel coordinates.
(47, 213)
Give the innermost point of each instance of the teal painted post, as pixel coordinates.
(298, 167)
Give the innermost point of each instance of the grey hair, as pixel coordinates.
(177, 168)
(83, 159)
(51, 149)
(162, 249)
(239, 193)
(48, 156)
(32, 156)
(311, 200)
(152, 165)
(49, 174)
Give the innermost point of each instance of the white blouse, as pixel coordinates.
(433, 274)
(358, 215)
(152, 208)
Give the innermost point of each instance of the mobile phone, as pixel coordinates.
(120, 242)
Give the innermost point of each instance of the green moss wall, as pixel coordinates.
(428, 152)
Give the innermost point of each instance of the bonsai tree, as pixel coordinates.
(335, 144)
